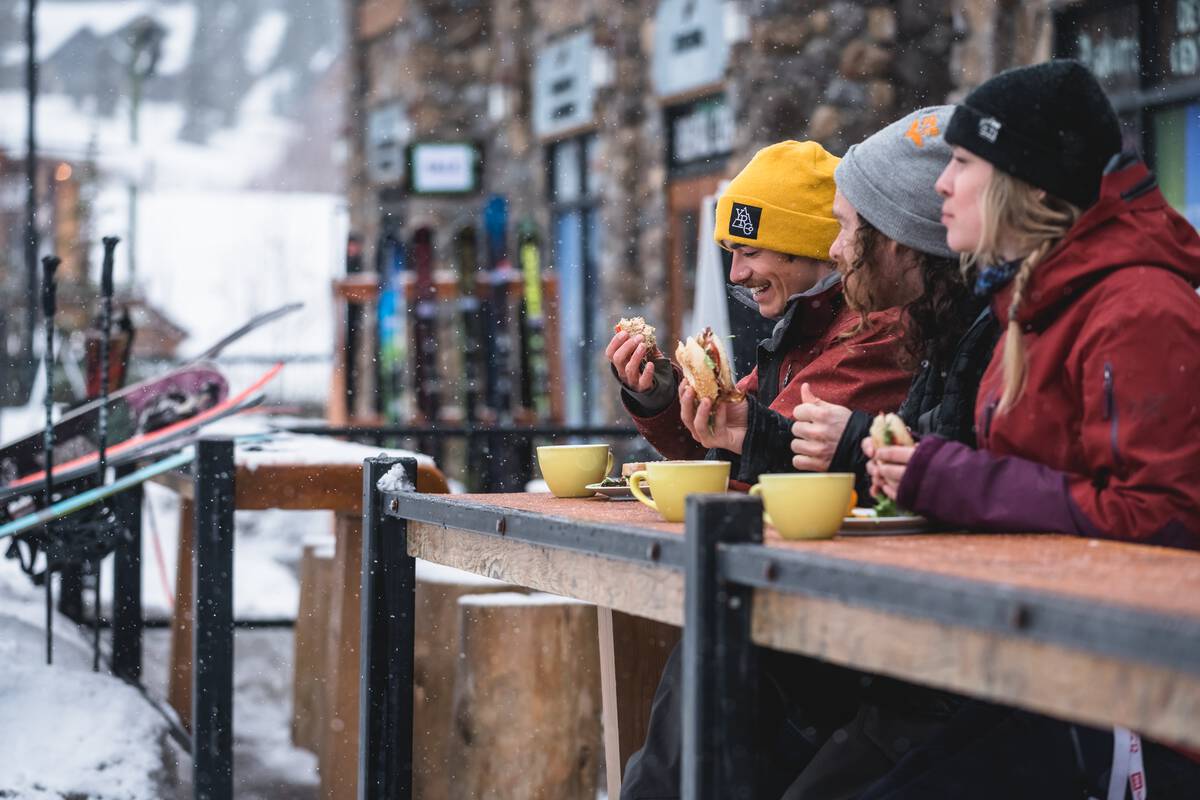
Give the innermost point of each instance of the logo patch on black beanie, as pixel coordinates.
(743, 220)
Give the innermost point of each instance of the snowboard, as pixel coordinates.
(150, 405)
(154, 402)
(133, 448)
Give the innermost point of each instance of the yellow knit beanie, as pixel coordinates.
(783, 201)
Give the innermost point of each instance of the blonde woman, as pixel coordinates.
(1087, 417)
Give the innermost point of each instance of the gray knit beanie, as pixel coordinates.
(889, 179)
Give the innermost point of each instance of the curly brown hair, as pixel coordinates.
(930, 325)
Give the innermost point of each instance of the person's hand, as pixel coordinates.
(721, 425)
(886, 466)
(628, 357)
(817, 430)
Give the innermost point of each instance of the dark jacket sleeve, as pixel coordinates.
(849, 456)
(661, 426)
(977, 490)
(768, 444)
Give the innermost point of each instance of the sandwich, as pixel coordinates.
(635, 326)
(886, 430)
(706, 368)
(889, 429)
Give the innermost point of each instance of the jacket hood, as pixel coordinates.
(1131, 225)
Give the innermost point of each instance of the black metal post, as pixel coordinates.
(389, 579)
(212, 634)
(127, 585)
(31, 178)
(719, 663)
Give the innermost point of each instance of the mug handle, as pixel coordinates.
(635, 486)
(853, 502)
(608, 469)
(756, 490)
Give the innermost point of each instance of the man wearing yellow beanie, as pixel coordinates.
(776, 217)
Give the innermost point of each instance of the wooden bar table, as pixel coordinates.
(297, 473)
(1097, 632)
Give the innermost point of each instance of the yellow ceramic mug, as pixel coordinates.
(672, 481)
(568, 468)
(806, 505)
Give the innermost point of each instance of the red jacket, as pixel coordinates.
(1105, 440)
(859, 371)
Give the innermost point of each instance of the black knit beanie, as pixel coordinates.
(1049, 125)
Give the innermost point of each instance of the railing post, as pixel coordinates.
(127, 584)
(385, 741)
(212, 642)
(719, 664)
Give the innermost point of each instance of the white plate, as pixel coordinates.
(870, 526)
(616, 492)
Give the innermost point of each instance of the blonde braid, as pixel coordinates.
(1017, 217)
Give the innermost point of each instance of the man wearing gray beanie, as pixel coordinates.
(892, 252)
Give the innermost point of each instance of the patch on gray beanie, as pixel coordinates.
(889, 179)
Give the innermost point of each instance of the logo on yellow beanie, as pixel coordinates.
(743, 220)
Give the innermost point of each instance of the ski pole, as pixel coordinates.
(49, 265)
(106, 295)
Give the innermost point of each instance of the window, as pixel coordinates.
(1146, 54)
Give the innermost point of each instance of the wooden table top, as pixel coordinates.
(1157, 579)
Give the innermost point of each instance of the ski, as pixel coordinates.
(425, 346)
(535, 382)
(466, 256)
(393, 329)
(92, 496)
(499, 369)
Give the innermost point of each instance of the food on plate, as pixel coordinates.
(632, 467)
(706, 368)
(637, 325)
(611, 483)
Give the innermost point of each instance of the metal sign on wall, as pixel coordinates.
(700, 132)
(563, 87)
(388, 132)
(444, 168)
(691, 49)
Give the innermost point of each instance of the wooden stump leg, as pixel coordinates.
(526, 699)
(435, 659)
(339, 750)
(310, 715)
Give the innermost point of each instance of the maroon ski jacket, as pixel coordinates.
(1105, 440)
(812, 343)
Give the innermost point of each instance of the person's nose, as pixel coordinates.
(738, 270)
(943, 184)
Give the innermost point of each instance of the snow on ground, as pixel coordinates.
(80, 733)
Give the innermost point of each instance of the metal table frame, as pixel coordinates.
(724, 564)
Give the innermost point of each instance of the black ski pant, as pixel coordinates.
(829, 733)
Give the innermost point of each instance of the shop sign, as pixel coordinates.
(1180, 27)
(700, 131)
(444, 168)
(563, 86)
(388, 131)
(691, 48)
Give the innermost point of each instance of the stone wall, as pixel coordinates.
(830, 71)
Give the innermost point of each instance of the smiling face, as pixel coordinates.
(961, 186)
(772, 277)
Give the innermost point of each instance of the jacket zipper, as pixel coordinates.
(1110, 414)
